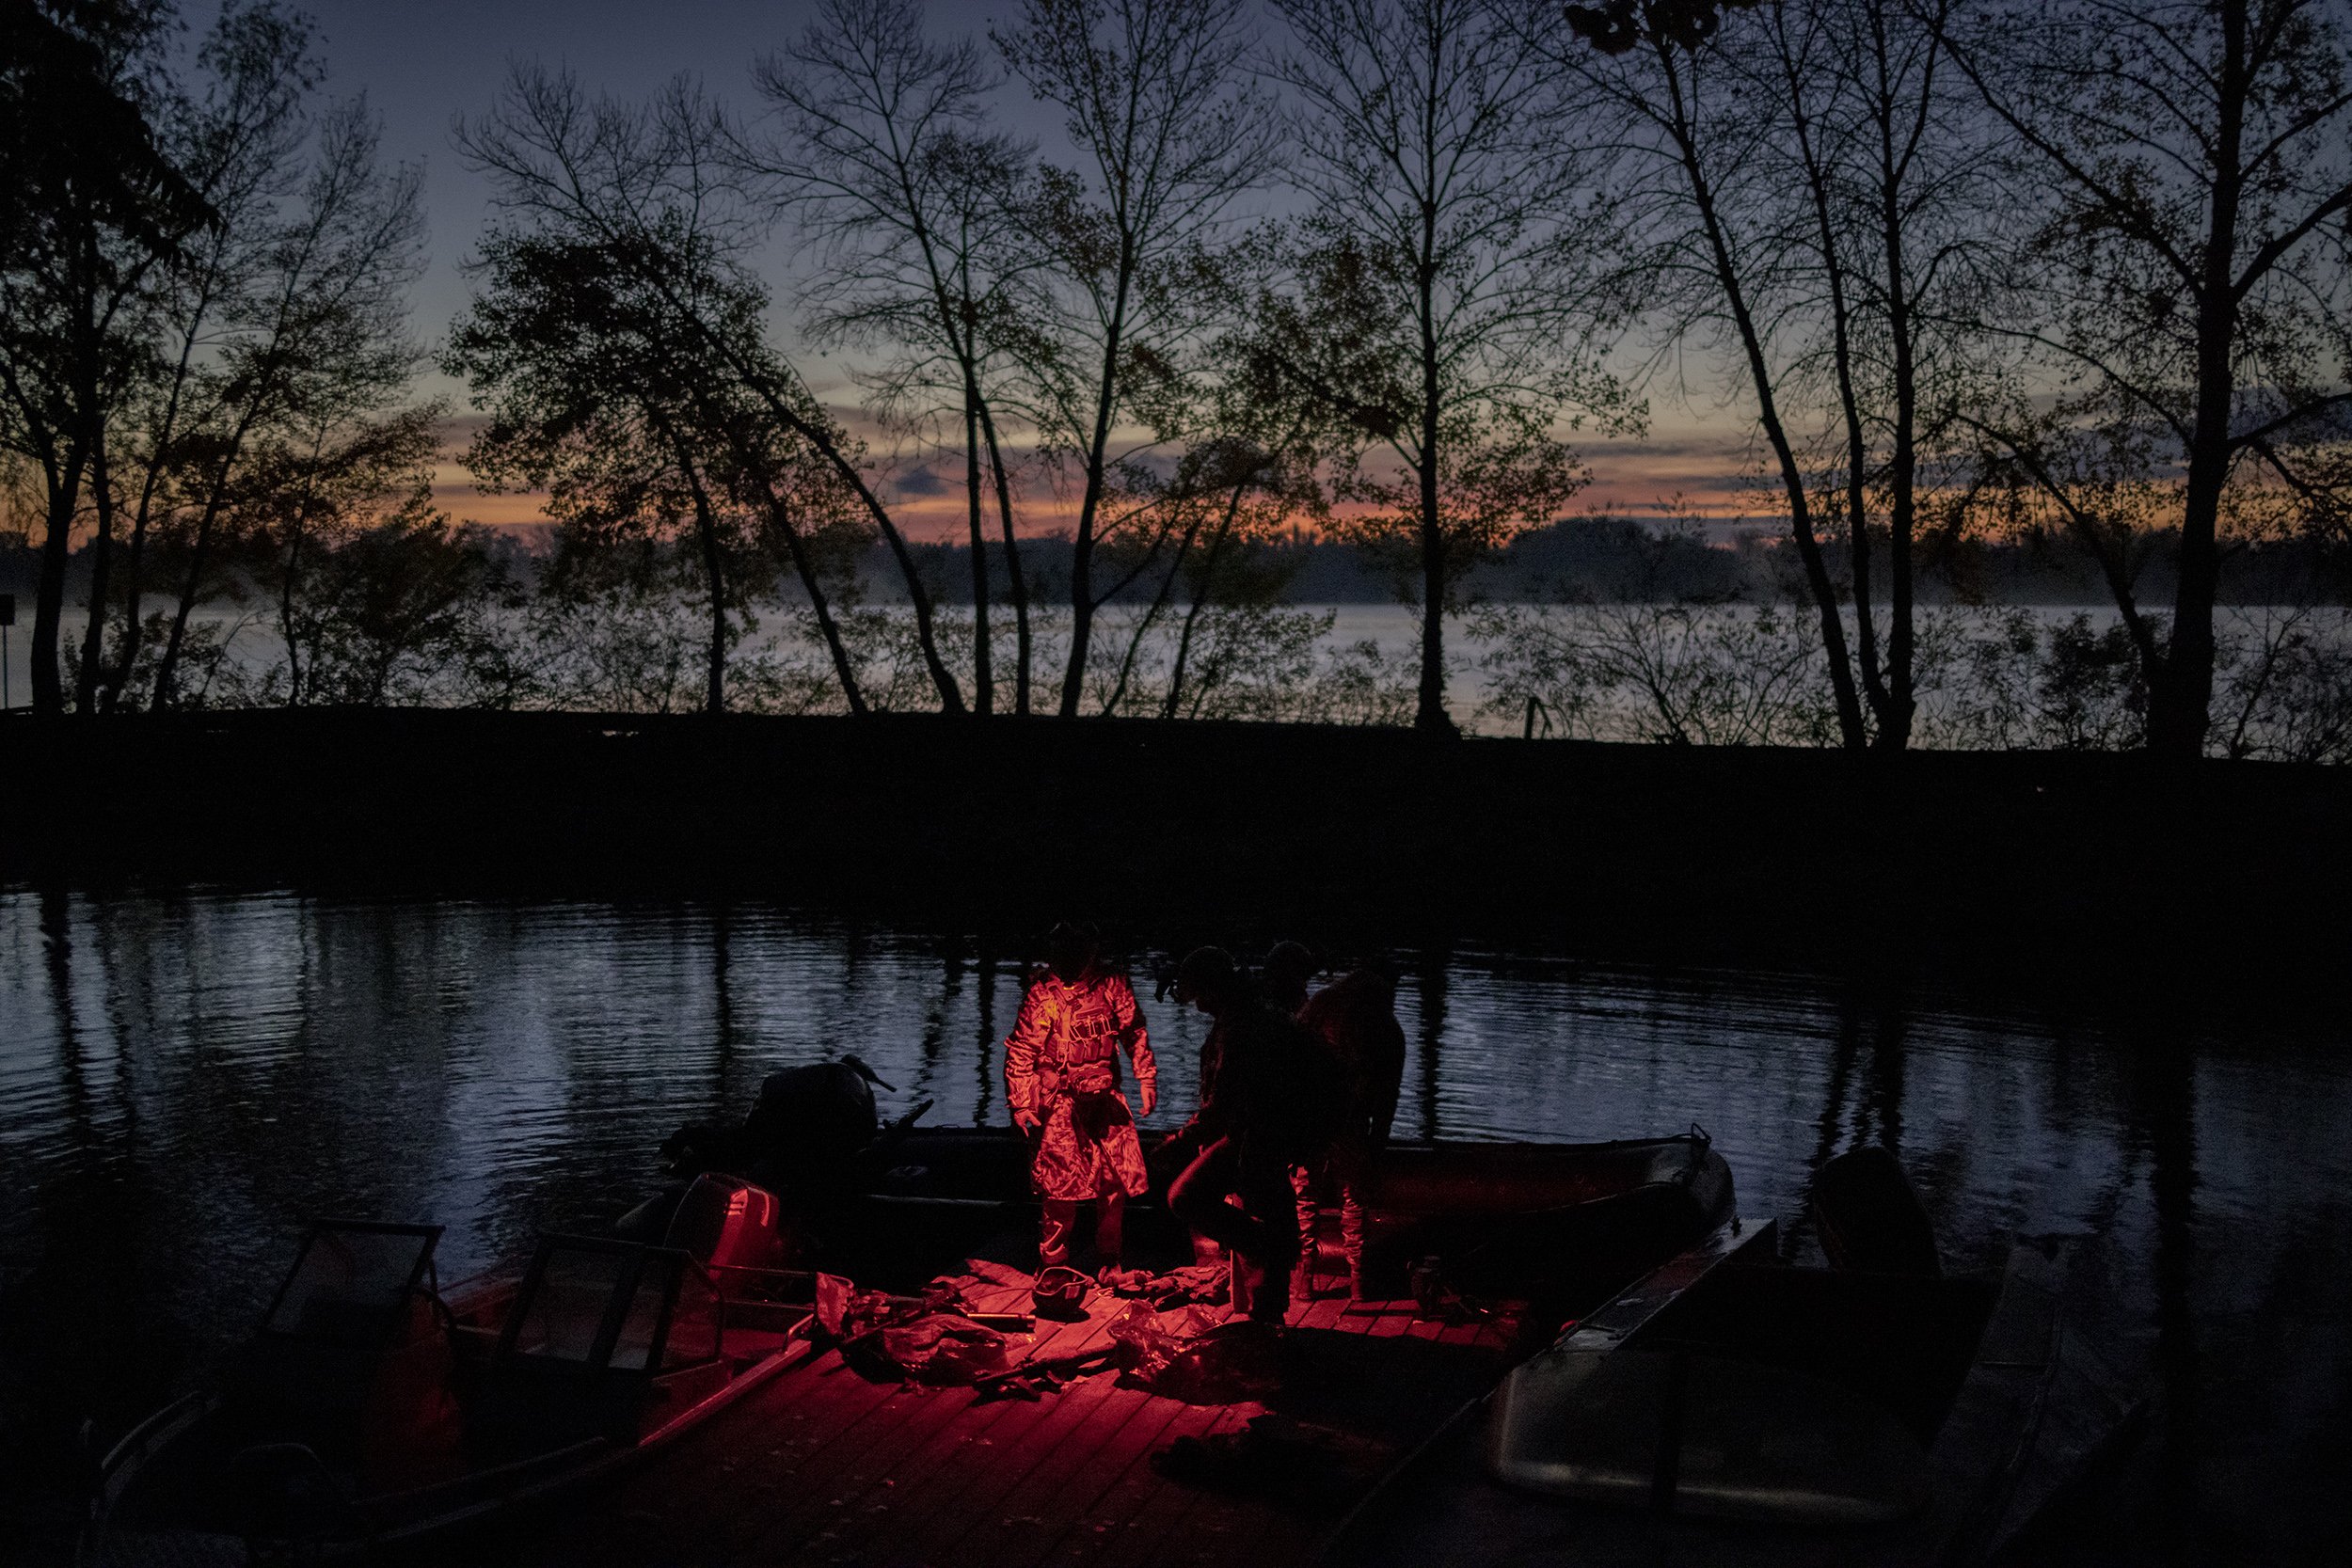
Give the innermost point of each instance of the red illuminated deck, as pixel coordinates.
(824, 1466)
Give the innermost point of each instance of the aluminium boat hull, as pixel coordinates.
(1628, 1441)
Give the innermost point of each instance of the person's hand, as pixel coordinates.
(1026, 1120)
(1168, 1160)
(1151, 1096)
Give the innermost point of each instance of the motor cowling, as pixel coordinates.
(1869, 1215)
(810, 1122)
(726, 1222)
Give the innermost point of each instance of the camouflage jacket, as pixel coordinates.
(1067, 1040)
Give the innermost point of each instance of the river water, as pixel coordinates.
(185, 1078)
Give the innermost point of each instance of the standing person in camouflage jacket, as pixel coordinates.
(1062, 1080)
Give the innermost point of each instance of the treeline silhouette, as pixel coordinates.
(2024, 306)
(1574, 561)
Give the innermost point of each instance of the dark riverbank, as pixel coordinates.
(2068, 869)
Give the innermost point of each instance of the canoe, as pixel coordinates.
(1733, 1410)
(371, 1407)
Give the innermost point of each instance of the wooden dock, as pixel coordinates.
(828, 1466)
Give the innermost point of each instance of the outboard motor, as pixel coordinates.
(806, 1125)
(809, 1124)
(1870, 1216)
(723, 1222)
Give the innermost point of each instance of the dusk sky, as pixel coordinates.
(423, 62)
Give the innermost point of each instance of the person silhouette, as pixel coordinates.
(1266, 1107)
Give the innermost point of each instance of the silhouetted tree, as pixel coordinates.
(1168, 137)
(1892, 163)
(887, 159)
(313, 360)
(1256, 435)
(2188, 169)
(1699, 176)
(592, 399)
(241, 139)
(340, 434)
(393, 609)
(1444, 297)
(648, 192)
(92, 208)
(1226, 495)
(315, 493)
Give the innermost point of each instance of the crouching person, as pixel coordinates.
(1264, 1111)
(1062, 1080)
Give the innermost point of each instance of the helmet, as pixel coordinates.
(1289, 963)
(1070, 947)
(1205, 972)
(1059, 1291)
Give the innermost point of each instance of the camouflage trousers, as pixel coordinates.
(1088, 1149)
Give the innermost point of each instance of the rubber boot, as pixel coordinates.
(1060, 1217)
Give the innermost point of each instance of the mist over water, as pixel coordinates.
(184, 1079)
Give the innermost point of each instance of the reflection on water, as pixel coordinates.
(183, 1079)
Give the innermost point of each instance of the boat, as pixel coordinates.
(373, 1407)
(1731, 1408)
(891, 1204)
(1568, 1223)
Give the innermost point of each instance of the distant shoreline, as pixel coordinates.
(2018, 869)
(1607, 559)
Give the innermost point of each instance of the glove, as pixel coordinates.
(1026, 1121)
(1151, 1095)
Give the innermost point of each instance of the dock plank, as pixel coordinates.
(1155, 1535)
(847, 1415)
(939, 1417)
(703, 1497)
(1065, 1482)
(1322, 1313)
(966, 1466)
(833, 1485)
(933, 1467)
(1365, 1317)
(1118, 1516)
(967, 1493)
(1144, 1423)
(824, 1466)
